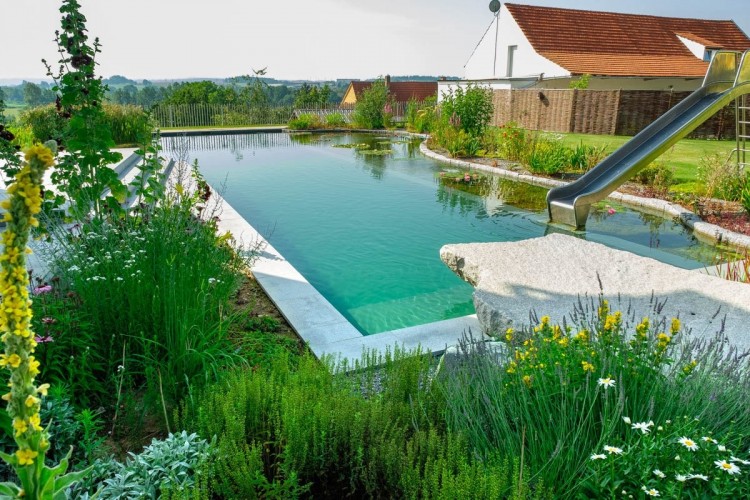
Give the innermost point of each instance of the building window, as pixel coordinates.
(511, 54)
(708, 55)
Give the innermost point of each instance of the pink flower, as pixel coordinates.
(42, 289)
(611, 211)
(42, 340)
(467, 178)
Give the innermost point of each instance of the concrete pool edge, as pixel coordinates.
(326, 331)
(705, 231)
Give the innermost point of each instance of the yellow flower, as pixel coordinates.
(587, 367)
(7, 396)
(509, 334)
(14, 360)
(33, 366)
(675, 326)
(31, 401)
(545, 320)
(26, 456)
(511, 367)
(527, 380)
(41, 153)
(42, 389)
(20, 426)
(36, 422)
(582, 336)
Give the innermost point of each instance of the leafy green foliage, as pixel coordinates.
(8, 146)
(168, 465)
(468, 109)
(310, 96)
(581, 83)
(83, 174)
(421, 117)
(305, 121)
(372, 110)
(723, 178)
(336, 120)
(657, 176)
(548, 157)
(296, 427)
(745, 197)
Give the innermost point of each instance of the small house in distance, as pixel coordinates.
(547, 48)
(402, 92)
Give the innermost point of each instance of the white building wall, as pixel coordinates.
(698, 50)
(626, 83)
(482, 64)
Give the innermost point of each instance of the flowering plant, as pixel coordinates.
(25, 397)
(674, 459)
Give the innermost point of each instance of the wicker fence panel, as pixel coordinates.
(621, 112)
(595, 111)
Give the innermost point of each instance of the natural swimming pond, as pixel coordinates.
(363, 218)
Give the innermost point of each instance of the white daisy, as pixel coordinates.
(721, 447)
(598, 456)
(729, 467)
(643, 427)
(659, 474)
(688, 443)
(735, 459)
(613, 450)
(653, 492)
(681, 478)
(698, 476)
(607, 382)
(627, 420)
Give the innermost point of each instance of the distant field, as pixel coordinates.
(13, 110)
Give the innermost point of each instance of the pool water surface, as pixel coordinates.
(365, 225)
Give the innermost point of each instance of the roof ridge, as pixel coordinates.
(615, 13)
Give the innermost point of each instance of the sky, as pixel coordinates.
(294, 39)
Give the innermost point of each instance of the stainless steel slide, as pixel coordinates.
(728, 77)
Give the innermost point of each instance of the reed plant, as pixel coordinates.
(156, 286)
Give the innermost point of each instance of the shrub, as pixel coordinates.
(305, 121)
(129, 124)
(469, 109)
(371, 433)
(514, 142)
(457, 142)
(745, 196)
(372, 110)
(335, 120)
(421, 117)
(657, 176)
(45, 123)
(722, 179)
(583, 157)
(164, 467)
(559, 392)
(548, 157)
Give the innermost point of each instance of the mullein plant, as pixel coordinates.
(24, 399)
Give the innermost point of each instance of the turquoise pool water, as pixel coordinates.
(365, 227)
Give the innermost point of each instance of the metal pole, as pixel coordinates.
(497, 30)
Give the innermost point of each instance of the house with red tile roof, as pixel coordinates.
(402, 92)
(544, 47)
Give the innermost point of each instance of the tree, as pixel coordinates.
(371, 110)
(32, 94)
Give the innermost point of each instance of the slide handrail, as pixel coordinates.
(722, 71)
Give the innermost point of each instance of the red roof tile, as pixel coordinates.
(613, 44)
(402, 91)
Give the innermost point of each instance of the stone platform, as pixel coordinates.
(548, 275)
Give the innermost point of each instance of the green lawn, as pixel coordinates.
(684, 157)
